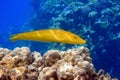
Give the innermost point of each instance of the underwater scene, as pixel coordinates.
(60, 40)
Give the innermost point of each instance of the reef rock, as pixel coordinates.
(73, 64)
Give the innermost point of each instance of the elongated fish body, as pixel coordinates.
(50, 35)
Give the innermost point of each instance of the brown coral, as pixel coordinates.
(73, 64)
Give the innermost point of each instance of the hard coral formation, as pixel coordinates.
(97, 21)
(73, 64)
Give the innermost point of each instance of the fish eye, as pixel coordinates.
(75, 37)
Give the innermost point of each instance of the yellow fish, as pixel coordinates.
(49, 35)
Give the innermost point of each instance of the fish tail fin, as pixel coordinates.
(14, 37)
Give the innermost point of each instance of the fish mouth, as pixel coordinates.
(83, 42)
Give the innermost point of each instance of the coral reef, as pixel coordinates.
(87, 18)
(97, 21)
(73, 64)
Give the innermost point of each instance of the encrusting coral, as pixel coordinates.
(73, 64)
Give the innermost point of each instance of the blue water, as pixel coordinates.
(13, 16)
(97, 21)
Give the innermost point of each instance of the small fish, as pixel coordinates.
(49, 35)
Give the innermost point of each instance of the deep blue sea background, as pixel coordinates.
(13, 16)
(97, 21)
